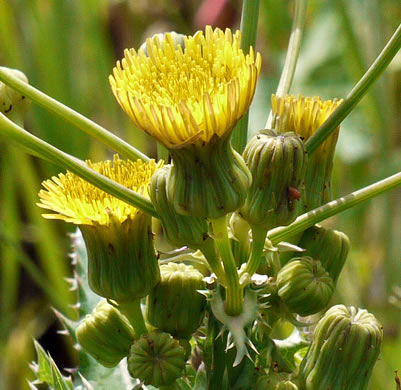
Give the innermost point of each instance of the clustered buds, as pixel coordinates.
(105, 334)
(346, 344)
(277, 163)
(304, 286)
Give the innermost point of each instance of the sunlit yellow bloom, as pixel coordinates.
(75, 200)
(180, 96)
(302, 115)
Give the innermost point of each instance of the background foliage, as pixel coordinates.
(67, 48)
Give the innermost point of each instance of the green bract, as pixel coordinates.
(207, 179)
(180, 230)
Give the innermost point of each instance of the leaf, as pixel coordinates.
(59, 381)
(42, 369)
(201, 378)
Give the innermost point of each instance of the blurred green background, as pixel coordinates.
(67, 48)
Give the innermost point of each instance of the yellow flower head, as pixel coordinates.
(302, 115)
(180, 96)
(75, 200)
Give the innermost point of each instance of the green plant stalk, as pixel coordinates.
(9, 255)
(332, 208)
(258, 244)
(249, 26)
(38, 147)
(132, 310)
(78, 120)
(291, 59)
(357, 93)
(234, 292)
(41, 280)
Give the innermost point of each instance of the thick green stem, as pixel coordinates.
(234, 292)
(258, 243)
(78, 120)
(287, 75)
(132, 310)
(249, 26)
(357, 93)
(209, 251)
(40, 148)
(332, 208)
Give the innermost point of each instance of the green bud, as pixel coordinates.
(105, 334)
(304, 286)
(276, 381)
(277, 163)
(207, 179)
(122, 263)
(157, 359)
(180, 230)
(12, 103)
(345, 347)
(329, 246)
(175, 305)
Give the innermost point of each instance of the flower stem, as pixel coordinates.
(249, 26)
(78, 120)
(332, 208)
(42, 149)
(209, 251)
(357, 93)
(258, 243)
(287, 75)
(132, 310)
(234, 292)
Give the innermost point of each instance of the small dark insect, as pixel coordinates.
(293, 193)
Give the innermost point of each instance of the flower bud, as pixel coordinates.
(208, 179)
(122, 263)
(304, 286)
(345, 347)
(277, 163)
(276, 381)
(180, 230)
(12, 103)
(105, 334)
(328, 246)
(157, 359)
(175, 305)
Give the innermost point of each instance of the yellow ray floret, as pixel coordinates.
(182, 95)
(75, 200)
(302, 115)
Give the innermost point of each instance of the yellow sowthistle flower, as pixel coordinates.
(77, 201)
(122, 263)
(304, 115)
(182, 95)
